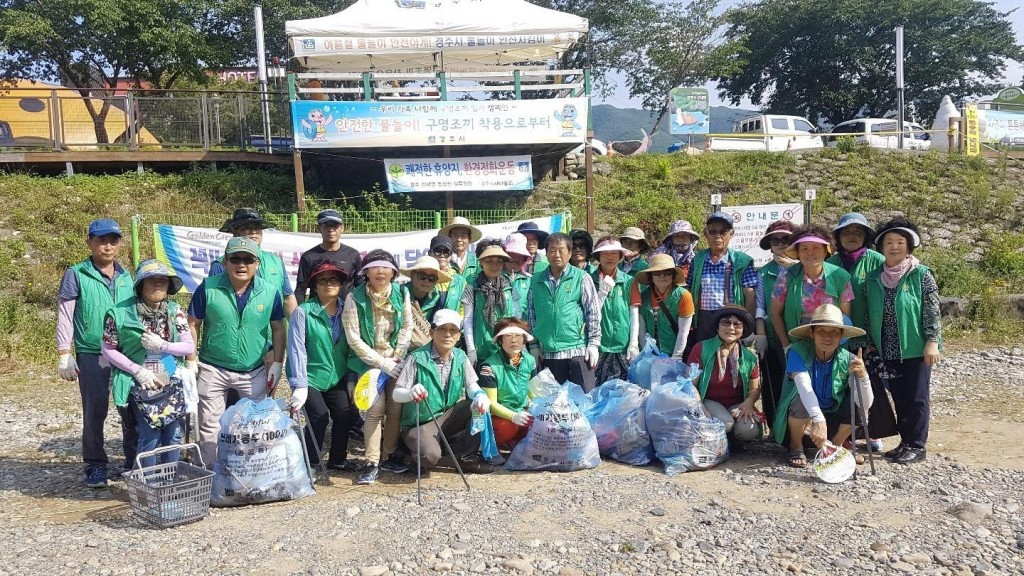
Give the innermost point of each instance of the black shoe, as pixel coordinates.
(343, 466)
(896, 452)
(475, 464)
(395, 465)
(496, 460)
(424, 473)
(356, 433)
(369, 474)
(910, 456)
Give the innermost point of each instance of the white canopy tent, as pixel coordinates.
(406, 36)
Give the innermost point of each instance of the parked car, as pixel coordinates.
(772, 132)
(881, 133)
(9, 140)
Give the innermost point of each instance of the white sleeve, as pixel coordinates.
(634, 327)
(684, 332)
(810, 401)
(865, 395)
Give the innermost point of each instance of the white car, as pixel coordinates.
(882, 133)
(771, 132)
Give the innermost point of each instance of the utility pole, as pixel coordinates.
(261, 63)
(899, 87)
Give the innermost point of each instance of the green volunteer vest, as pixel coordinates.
(365, 311)
(521, 284)
(662, 329)
(472, 267)
(231, 341)
(452, 298)
(558, 317)
(909, 304)
(129, 342)
(769, 275)
(326, 360)
(94, 299)
(615, 314)
(840, 375)
(739, 261)
(512, 389)
(835, 280)
(439, 396)
(865, 265)
(483, 334)
(540, 267)
(639, 265)
(707, 362)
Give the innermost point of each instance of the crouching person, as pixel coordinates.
(438, 382)
(816, 395)
(504, 376)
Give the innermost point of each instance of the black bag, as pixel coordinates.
(161, 407)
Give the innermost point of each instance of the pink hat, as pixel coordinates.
(793, 250)
(612, 245)
(515, 243)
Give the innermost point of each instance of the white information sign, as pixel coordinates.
(750, 222)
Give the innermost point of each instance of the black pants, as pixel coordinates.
(94, 387)
(911, 398)
(573, 369)
(773, 376)
(322, 408)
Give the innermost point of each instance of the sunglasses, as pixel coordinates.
(779, 241)
(664, 273)
(329, 281)
(730, 324)
(424, 277)
(236, 260)
(717, 232)
(444, 253)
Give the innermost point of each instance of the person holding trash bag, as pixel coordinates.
(317, 364)
(906, 330)
(139, 334)
(776, 240)
(664, 305)
(87, 290)
(491, 299)
(504, 376)
(378, 323)
(536, 243)
(816, 396)
(634, 240)
(451, 292)
(620, 324)
(424, 276)
(462, 234)
(679, 243)
(730, 381)
(239, 312)
(565, 317)
(439, 394)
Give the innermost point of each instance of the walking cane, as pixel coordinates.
(419, 462)
(765, 374)
(451, 453)
(853, 425)
(867, 429)
(322, 477)
(305, 449)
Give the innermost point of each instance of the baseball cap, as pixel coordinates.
(104, 226)
(329, 215)
(722, 216)
(446, 316)
(441, 242)
(242, 244)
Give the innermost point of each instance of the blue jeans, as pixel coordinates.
(152, 438)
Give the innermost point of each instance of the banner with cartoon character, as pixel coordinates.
(320, 124)
(689, 110)
(468, 173)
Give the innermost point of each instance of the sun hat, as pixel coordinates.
(610, 245)
(513, 330)
(441, 242)
(739, 312)
(152, 267)
(460, 222)
(854, 219)
(515, 243)
(378, 259)
(826, 316)
(329, 215)
(660, 262)
(494, 250)
(634, 233)
(326, 267)
(722, 216)
(424, 264)
(104, 226)
(777, 228)
(446, 316)
(242, 244)
(678, 226)
(794, 250)
(245, 217)
(909, 233)
(532, 228)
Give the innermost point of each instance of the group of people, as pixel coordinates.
(838, 318)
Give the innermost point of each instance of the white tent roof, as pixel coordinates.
(429, 35)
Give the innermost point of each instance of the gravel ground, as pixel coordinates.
(948, 515)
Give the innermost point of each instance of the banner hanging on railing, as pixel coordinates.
(319, 124)
(470, 173)
(750, 222)
(190, 251)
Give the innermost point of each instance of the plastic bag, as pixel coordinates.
(618, 419)
(483, 425)
(667, 369)
(560, 438)
(639, 372)
(543, 384)
(259, 456)
(683, 438)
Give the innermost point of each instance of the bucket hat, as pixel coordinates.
(827, 316)
(427, 264)
(532, 228)
(777, 228)
(152, 267)
(634, 233)
(515, 243)
(245, 217)
(612, 246)
(678, 226)
(737, 311)
(660, 262)
(855, 219)
(460, 222)
(584, 236)
(441, 242)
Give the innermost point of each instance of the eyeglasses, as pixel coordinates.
(725, 323)
(664, 273)
(717, 232)
(444, 253)
(779, 241)
(328, 281)
(237, 260)
(580, 247)
(424, 277)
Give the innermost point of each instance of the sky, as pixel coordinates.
(1014, 70)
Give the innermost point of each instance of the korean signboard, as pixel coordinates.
(750, 222)
(476, 173)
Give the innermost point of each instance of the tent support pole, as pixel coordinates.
(449, 196)
(300, 184)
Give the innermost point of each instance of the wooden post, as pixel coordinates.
(589, 155)
(449, 196)
(300, 185)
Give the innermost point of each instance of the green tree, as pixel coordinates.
(833, 60)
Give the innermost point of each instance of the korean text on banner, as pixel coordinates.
(750, 222)
(475, 173)
(689, 110)
(973, 130)
(1005, 127)
(190, 251)
(319, 124)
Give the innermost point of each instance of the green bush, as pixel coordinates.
(846, 144)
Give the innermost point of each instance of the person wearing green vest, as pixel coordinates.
(463, 235)
(318, 362)
(87, 290)
(816, 396)
(504, 376)
(239, 313)
(145, 341)
(536, 243)
(582, 250)
(564, 315)
(519, 266)
(438, 384)
(634, 240)
(450, 292)
(378, 325)
(664, 306)
(906, 329)
(730, 380)
(809, 283)
(776, 240)
(424, 276)
(491, 299)
(620, 322)
(679, 243)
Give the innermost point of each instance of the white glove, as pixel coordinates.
(607, 283)
(153, 343)
(390, 367)
(591, 356)
(273, 375)
(481, 403)
(471, 354)
(147, 379)
(67, 368)
(632, 352)
(418, 393)
(522, 418)
(298, 399)
(760, 344)
(193, 367)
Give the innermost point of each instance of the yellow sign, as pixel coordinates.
(973, 130)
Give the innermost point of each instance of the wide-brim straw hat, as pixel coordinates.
(826, 316)
(634, 233)
(425, 264)
(459, 222)
(660, 262)
(737, 311)
(494, 250)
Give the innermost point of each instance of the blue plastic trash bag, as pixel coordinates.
(483, 425)
(560, 438)
(543, 384)
(617, 417)
(668, 369)
(639, 372)
(684, 438)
